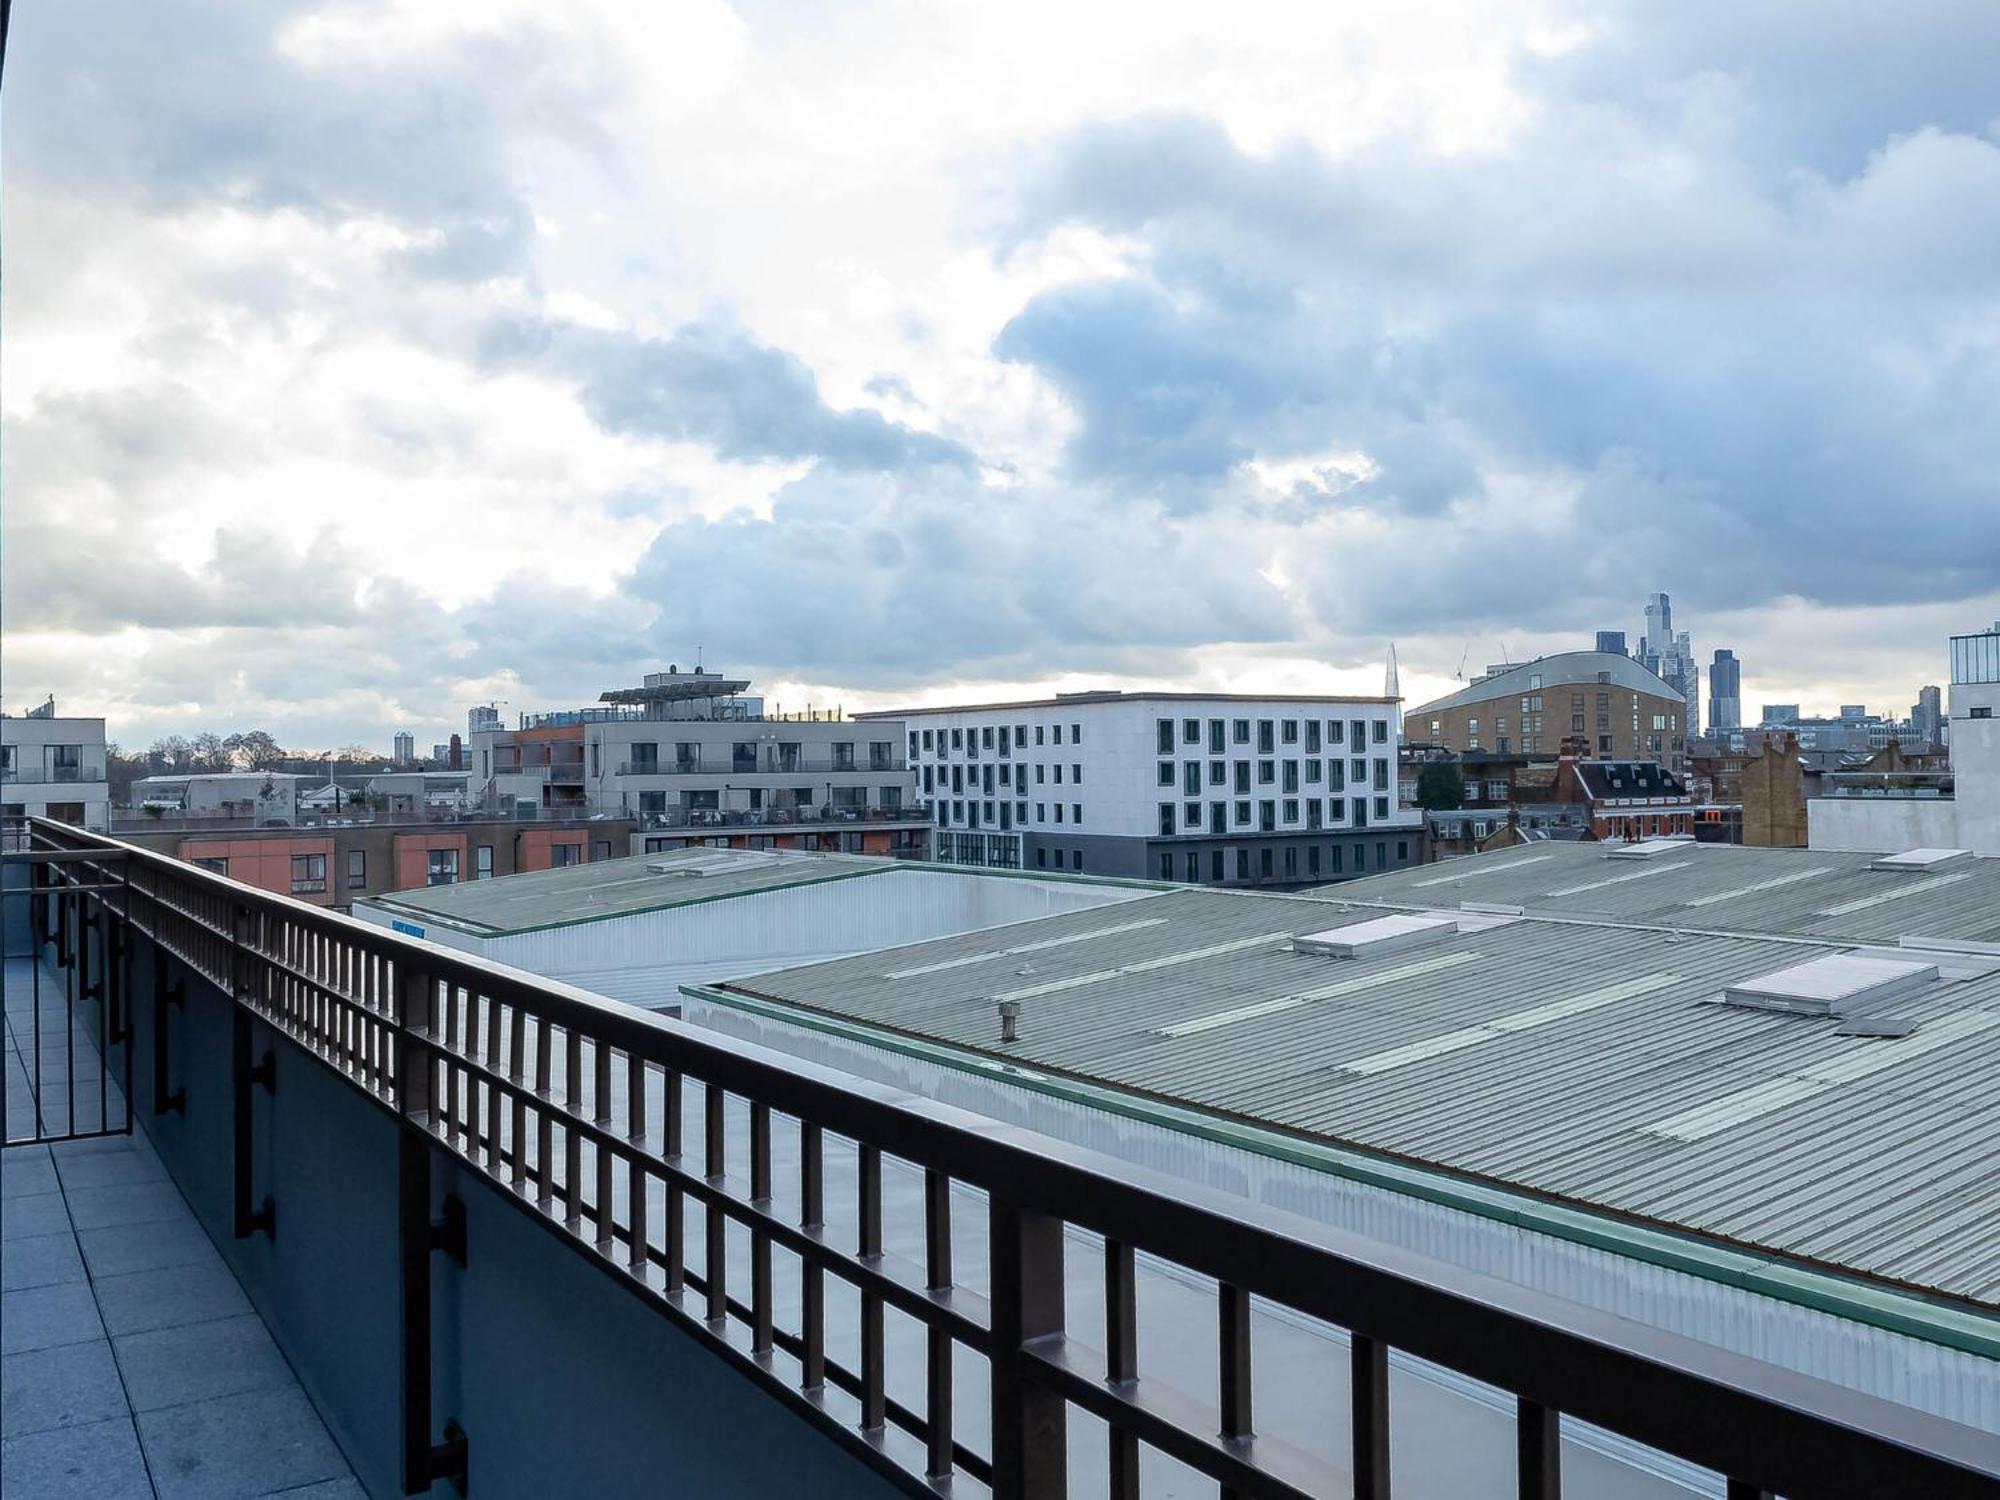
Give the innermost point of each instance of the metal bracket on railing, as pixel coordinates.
(448, 1229)
(449, 1460)
(263, 1218)
(177, 995)
(266, 1073)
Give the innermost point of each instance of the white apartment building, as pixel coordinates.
(266, 798)
(54, 768)
(1216, 789)
(695, 759)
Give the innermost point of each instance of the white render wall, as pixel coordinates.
(31, 782)
(1119, 755)
(1969, 819)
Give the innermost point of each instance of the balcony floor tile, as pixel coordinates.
(238, 1447)
(46, 1317)
(170, 1298)
(99, 1461)
(127, 1203)
(177, 1366)
(125, 1248)
(40, 1260)
(110, 1169)
(27, 1172)
(63, 1387)
(43, 1214)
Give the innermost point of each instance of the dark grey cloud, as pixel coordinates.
(176, 104)
(887, 579)
(712, 382)
(1766, 389)
(1813, 84)
(75, 575)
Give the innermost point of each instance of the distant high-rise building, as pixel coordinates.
(1927, 718)
(1778, 715)
(483, 717)
(1725, 691)
(1612, 641)
(406, 747)
(1671, 656)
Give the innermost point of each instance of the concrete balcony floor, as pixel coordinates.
(131, 1363)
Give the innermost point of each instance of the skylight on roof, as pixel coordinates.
(1838, 984)
(1651, 848)
(1920, 860)
(1378, 935)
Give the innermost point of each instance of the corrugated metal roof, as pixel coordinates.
(616, 887)
(1710, 887)
(1550, 1060)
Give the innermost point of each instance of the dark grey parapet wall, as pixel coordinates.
(564, 1383)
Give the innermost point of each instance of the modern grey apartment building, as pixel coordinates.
(695, 759)
(1215, 789)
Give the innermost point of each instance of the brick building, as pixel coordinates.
(1610, 704)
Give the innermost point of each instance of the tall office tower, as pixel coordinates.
(1725, 691)
(483, 717)
(1612, 641)
(1927, 718)
(1659, 637)
(406, 747)
(1671, 656)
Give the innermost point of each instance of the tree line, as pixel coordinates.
(248, 750)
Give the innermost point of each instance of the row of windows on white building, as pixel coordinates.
(1218, 734)
(1264, 815)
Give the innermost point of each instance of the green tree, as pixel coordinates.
(1440, 786)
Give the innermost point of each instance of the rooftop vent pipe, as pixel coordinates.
(1010, 1020)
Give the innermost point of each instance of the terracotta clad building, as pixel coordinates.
(337, 864)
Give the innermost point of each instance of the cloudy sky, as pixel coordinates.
(365, 360)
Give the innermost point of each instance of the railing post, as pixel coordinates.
(168, 994)
(1369, 1392)
(1538, 1445)
(244, 1077)
(1030, 1421)
(424, 1461)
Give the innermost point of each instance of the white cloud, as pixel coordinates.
(1623, 295)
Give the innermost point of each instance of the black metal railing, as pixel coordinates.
(647, 1145)
(68, 1064)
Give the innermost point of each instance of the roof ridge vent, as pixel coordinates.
(1837, 984)
(1377, 935)
(1921, 861)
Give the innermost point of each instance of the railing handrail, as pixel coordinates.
(1787, 1431)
